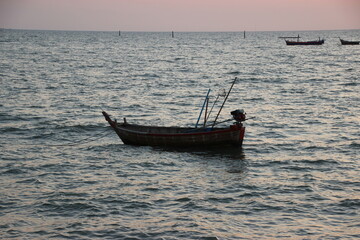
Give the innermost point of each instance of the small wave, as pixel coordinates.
(251, 194)
(184, 70)
(234, 73)
(350, 203)
(209, 238)
(67, 209)
(14, 171)
(4, 226)
(354, 145)
(255, 99)
(151, 189)
(5, 117)
(314, 147)
(183, 199)
(41, 136)
(12, 130)
(148, 75)
(297, 168)
(138, 205)
(319, 162)
(221, 200)
(350, 84)
(235, 171)
(78, 127)
(259, 207)
(30, 181)
(7, 41)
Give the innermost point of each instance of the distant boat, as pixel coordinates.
(316, 42)
(344, 42)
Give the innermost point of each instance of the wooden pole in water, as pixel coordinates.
(244, 35)
(172, 34)
(119, 33)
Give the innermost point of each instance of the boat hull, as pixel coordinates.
(344, 42)
(304, 43)
(176, 136)
(233, 135)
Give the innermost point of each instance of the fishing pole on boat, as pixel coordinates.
(221, 93)
(228, 120)
(206, 99)
(232, 85)
(206, 109)
(213, 124)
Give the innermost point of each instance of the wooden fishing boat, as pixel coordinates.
(344, 42)
(180, 136)
(316, 42)
(205, 136)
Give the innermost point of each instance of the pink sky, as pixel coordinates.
(180, 15)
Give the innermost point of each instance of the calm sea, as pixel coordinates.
(64, 174)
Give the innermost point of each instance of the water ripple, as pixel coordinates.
(296, 176)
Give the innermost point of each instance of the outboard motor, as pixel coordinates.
(239, 115)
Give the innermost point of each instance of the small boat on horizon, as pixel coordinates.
(344, 42)
(316, 42)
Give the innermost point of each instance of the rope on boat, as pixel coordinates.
(76, 143)
(82, 141)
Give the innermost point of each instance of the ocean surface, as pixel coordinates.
(64, 174)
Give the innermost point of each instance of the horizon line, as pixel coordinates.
(181, 31)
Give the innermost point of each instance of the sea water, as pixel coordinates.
(64, 174)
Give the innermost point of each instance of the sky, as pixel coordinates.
(180, 15)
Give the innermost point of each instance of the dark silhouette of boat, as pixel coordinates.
(180, 136)
(344, 42)
(298, 42)
(316, 42)
(206, 136)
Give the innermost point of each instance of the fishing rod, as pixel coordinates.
(206, 99)
(224, 102)
(228, 120)
(206, 109)
(220, 94)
